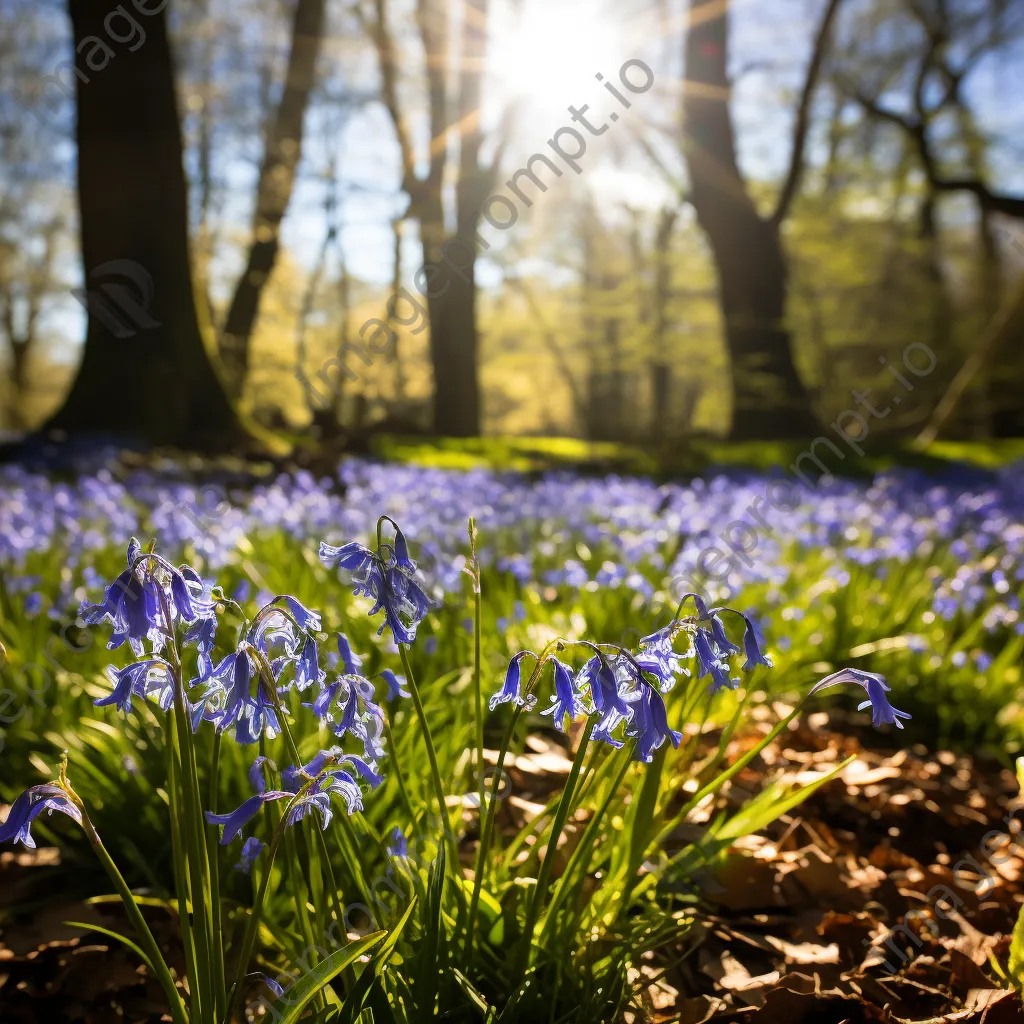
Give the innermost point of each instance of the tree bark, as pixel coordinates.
(274, 189)
(769, 399)
(451, 308)
(145, 371)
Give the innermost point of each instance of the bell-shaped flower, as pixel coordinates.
(36, 799)
(251, 849)
(396, 684)
(754, 644)
(236, 820)
(566, 703)
(140, 679)
(350, 661)
(882, 712)
(649, 724)
(509, 693)
(351, 557)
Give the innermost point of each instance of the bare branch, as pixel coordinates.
(801, 125)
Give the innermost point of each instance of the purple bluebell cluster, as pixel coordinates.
(170, 617)
(624, 691)
(307, 787)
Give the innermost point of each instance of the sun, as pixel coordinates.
(545, 55)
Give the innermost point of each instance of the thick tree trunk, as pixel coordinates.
(769, 399)
(274, 189)
(453, 337)
(145, 370)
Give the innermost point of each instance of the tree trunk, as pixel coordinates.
(145, 371)
(274, 189)
(769, 399)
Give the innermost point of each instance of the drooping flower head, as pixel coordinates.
(307, 787)
(509, 693)
(882, 712)
(389, 577)
(146, 601)
(148, 678)
(566, 703)
(36, 799)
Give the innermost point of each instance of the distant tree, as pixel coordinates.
(282, 154)
(454, 93)
(907, 68)
(769, 398)
(145, 369)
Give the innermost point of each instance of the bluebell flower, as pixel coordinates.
(396, 684)
(882, 712)
(754, 644)
(203, 633)
(33, 604)
(329, 774)
(659, 657)
(389, 582)
(36, 799)
(347, 705)
(134, 680)
(251, 849)
(566, 703)
(308, 621)
(351, 662)
(398, 845)
(402, 558)
(649, 724)
(236, 820)
(509, 693)
(140, 601)
(352, 557)
(307, 668)
(599, 675)
(708, 661)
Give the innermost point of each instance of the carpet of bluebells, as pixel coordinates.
(915, 577)
(381, 636)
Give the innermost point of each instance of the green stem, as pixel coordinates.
(584, 845)
(182, 879)
(389, 737)
(213, 848)
(477, 687)
(249, 941)
(435, 772)
(487, 832)
(544, 877)
(195, 843)
(293, 752)
(149, 943)
(195, 827)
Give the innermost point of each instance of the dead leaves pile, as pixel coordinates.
(884, 898)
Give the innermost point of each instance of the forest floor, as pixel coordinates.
(888, 896)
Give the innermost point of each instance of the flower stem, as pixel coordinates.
(544, 876)
(149, 943)
(435, 773)
(213, 847)
(249, 941)
(487, 832)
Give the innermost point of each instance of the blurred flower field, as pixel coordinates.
(915, 577)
